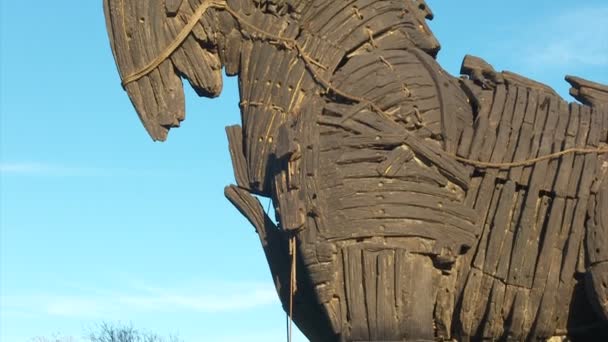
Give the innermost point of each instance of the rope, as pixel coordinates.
(292, 44)
(529, 162)
(292, 284)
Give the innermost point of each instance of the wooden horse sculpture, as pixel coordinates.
(417, 206)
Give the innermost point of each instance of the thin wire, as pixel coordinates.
(292, 282)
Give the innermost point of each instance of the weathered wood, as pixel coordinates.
(519, 112)
(351, 127)
(588, 92)
(558, 142)
(239, 164)
(597, 288)
(504, 127)
(273, 242)
(522, 151)
(500, 228)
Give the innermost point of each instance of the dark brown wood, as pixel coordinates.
(374, 158)
(588, 92)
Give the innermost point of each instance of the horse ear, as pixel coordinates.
(172, 6)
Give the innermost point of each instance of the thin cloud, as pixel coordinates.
(48, 169)
(576, 38)
(217, 299)
(65, 170)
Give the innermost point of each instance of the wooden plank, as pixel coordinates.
(524, 232)
(322, 273)
(385, 299)
(482, 126)
(588, 92)
(166, 83)
(597, 226)
(494, 324)
(350, 126)
(566, 162)
(321, 50)
(389, 204)
(512, 78)
(452, 224)
(501, 95)
(378, 17)
(355, 293)
(334, 312)
(203, 69)
(486, 205)
(483, 304)
(472, 299)
(504, 126)
(140, 56)
(280, 96)
(518, 314)
(526, 134)
(566, 282)
(530, 228)
(273, 243)
(597, 277)
(320, 14)
(579, 159)
(445, 302)
(499, 228)
(562, 112)
(596, 127)
(232, 59)
(519, 112)
(292, 211)
(399, 186)
(239, 164)
(545, 325)
(446, 165)
(117, 28)
(365, 199)
(502, 270)
(575, 236)
(542, 117)
(362, 156)
(550, 250)
(370, 278)
(416, 295)
(412, 172)
(172, 6)
(510, 293)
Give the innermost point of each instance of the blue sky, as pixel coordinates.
(97, 222)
